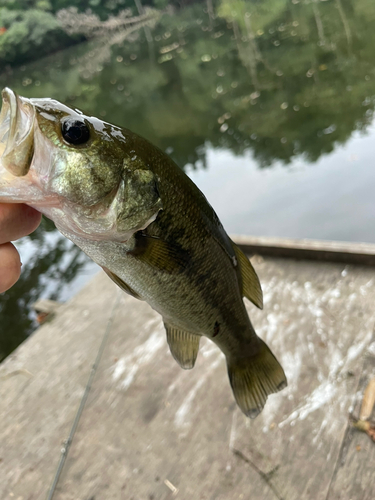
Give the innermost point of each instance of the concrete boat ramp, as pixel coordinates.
(93, 406)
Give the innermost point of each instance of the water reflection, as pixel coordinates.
(332, 201)
(268, 82)
(289, 79)
(50, 264)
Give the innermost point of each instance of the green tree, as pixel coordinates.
(30, 32)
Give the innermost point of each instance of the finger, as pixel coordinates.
(10, 266)
(17, 220)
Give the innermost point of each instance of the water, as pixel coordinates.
(268, 107)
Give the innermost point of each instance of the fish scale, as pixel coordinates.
(129, 207)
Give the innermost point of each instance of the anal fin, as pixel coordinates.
(184, 346)
(251, 288)
(254, 378)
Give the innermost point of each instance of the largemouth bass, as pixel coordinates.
(129, 207)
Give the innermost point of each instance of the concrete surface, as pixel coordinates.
(151, 431)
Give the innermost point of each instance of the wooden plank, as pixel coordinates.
(188, 430)
(41, 386)
(46, 306)
(149, 427)
(354, 474)
(327, 251)
(319, 321)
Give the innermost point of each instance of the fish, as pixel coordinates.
(134, 212)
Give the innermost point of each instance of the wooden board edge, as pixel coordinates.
(304, 249)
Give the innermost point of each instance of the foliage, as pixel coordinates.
(28, 33)
(290, 79)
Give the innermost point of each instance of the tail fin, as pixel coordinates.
(252, 383)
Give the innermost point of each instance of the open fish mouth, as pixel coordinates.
(16, 133)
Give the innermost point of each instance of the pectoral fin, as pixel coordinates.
(184, 346)
(159, 253)
(121, 283)
(251, 288)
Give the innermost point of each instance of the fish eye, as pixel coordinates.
(75, 131)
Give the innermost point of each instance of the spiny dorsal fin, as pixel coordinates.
(254, 381)
(121, 283)
(184, 346)
(251, 288)
(158, 253)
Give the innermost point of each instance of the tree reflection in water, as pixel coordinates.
(275, 78)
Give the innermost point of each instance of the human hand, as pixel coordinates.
(16, 220)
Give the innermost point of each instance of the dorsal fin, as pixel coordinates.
(251, 288)
(184, 346)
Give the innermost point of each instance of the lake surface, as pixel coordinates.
(268, 106)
